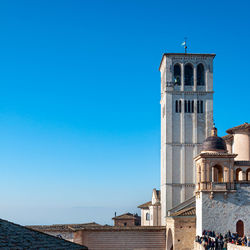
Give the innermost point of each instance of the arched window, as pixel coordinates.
(200, 75)
(147, 216)
(248, 174)
(177, 74)
(240, 228)
(217, 173)
(239, 174)
(189, 75)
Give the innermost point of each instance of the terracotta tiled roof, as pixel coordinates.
(145, 205)
(63, 227)
(240, 127)
(13, 236)
(126, 216)
(227, 137)
(190, 211)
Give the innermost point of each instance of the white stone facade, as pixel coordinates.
(222, 212)
(182, 133)
(151, 211)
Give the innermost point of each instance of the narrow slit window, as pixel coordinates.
(198, 106)
(176, 106)
(189, 110)
(179, 106)
(192, 107)
(185, 106)
(201, 106)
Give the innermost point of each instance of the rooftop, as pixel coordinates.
(126, 216)
(63, 227)
(14, 236)
(244, 126)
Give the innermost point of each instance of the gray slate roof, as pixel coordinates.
(15, 237)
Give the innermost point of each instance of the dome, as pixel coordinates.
(214, 143)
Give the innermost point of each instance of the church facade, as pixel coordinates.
(205, 179)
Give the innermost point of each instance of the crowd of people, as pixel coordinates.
(214, 241)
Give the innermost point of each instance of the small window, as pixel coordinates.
(177, 74)
(147, 216)
(200, 75)
(176, 106)
(185, 106)
(179, 106)
(192, 107)
(201, 106)
(189, 107)
(189, 75)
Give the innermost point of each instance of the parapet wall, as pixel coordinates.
(235, 247)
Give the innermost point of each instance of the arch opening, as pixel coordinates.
(177, 74)
(189, 75)
(200, 75)
(170, 240)
(239, 174)
(248, 174)
(240, 228)
(217, 173)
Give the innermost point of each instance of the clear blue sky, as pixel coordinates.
(80, 93)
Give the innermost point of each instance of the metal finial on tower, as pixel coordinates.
(185, 44)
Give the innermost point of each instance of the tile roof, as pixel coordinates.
(189, 203)
(14, 236)
(145, 205)
(126, 216)
(63, 227)
(240, 127)
(190, 211)
(227, 137)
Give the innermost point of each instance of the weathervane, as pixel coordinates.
(185, 44)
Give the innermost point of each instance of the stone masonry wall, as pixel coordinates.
(221, 213)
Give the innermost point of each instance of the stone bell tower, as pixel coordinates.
(186, 120)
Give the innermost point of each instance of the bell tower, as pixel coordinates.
(186, 120)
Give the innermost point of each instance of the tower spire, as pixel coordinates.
(185, 44)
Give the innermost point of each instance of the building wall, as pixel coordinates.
(122, 222)
(144, 222)
(182, 133)
(122, 240)
(183, 232)
(241, 146)
(222, 212)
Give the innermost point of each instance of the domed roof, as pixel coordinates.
(214, 143)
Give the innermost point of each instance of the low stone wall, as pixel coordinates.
(236, 247)
(122, 238)
(198, 246)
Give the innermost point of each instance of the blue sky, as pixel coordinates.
(80, 93)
